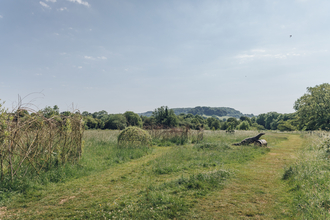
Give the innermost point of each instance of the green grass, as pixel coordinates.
(203, 156)
(156, 183)
(99, 154)
(309, 179)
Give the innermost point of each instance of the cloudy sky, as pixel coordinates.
(120, 55)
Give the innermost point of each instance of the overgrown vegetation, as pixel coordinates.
(134, 137)
(178, 136)
(309, 178)
(32, 145)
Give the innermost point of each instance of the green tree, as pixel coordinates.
(261, 119)
(117, 121)
(91, 122)
(244, 125)
(66, 113)
(313, 108)
(245, 118)
(210, 121)
(85, 113)
(148, 122)
(100, 114)
(133, 119)
(232, 122)
(285, 126)
(198, 122)
(165, 117)
(49, 112)
(215, 124)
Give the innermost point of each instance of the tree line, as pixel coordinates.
(312, 113)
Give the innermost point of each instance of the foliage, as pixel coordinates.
(214, 124)
(197, 122)
(116, 122)
(165, 117)
(245, 118)
(244, 125)
(257, 126)
(313, 108)
(285, 126)
(309, 179)
(49, 112)
(261, 119)
(133, 137)
(133, 119)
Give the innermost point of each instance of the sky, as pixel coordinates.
(133, 55)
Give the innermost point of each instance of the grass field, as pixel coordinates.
(208, 180)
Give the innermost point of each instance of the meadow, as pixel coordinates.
(208, 179)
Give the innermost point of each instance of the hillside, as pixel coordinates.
(206, 111)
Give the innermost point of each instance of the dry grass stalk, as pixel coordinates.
(33, 143)
(184, 132)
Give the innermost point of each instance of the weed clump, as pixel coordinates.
(288, 174)
(133, 137)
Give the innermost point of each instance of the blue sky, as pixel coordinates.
(120, 55)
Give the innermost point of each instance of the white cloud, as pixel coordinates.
(44, 5)
(79, 67)
(1, 16)
(63, 53)
(62, 9)
(94, 58)
(80, 2)
(89, 58)
(50, 0)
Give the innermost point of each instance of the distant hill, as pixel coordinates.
(206, 111)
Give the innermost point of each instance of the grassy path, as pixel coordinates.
(257, 191)
(62, 201)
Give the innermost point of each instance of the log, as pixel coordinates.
(250, 140)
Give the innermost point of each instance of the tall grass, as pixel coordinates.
(178, 136)
(309, 178)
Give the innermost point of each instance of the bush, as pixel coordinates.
(244, 125)
(134, 137)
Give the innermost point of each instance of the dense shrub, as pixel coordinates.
(244, 125)
(134, 137)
